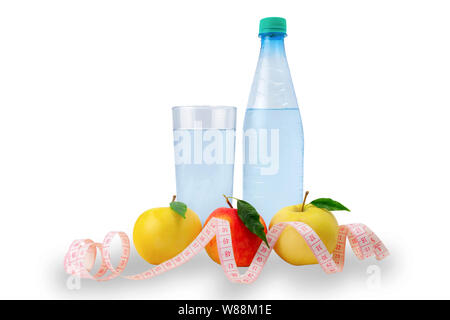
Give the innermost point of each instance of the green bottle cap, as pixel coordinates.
(272, 24)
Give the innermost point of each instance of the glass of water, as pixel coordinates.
(204, 139)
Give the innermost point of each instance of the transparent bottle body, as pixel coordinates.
(273, 134)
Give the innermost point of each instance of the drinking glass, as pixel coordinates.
(204, 142)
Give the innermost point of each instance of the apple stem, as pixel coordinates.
(304, 200)
(173, 198)
(228, 201)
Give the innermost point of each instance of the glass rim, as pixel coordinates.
(203, 107)
(204, 117)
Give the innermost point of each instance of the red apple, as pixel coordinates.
(245, 243)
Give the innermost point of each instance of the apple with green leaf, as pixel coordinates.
(291, 246)
(247, 228)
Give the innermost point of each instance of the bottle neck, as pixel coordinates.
(272, 85)
(272, 46)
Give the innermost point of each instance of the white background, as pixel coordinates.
(86, 89)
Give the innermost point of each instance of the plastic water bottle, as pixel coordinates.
(273, 132)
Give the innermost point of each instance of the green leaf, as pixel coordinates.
(179, 207)
(250, 217)
(329, 204)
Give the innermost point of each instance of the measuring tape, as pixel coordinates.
(80, 258)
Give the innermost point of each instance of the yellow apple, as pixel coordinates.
(161, 233)
(291, 246)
